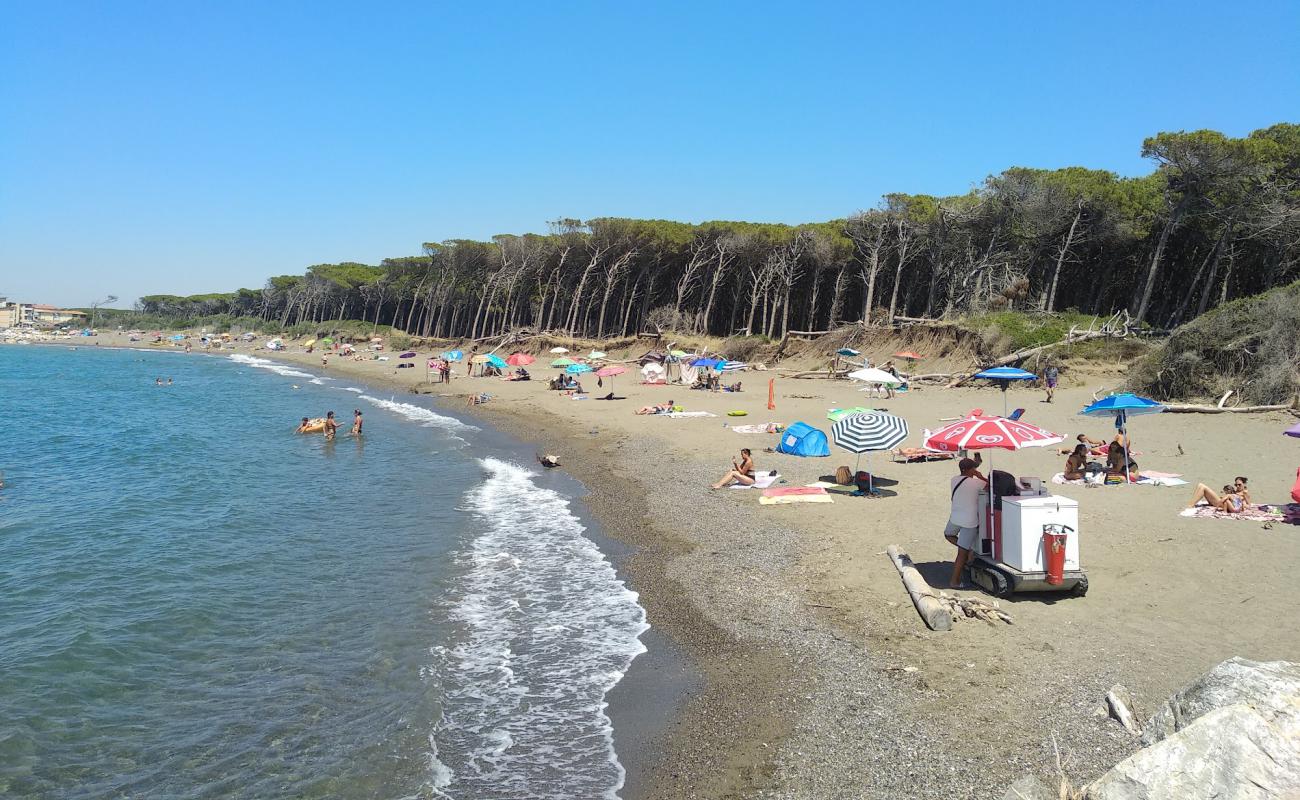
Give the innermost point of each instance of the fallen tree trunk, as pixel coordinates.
(1021, 355)
(813, 373)
(934, 611)
(1187, 408)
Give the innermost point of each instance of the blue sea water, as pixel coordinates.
(197, 603)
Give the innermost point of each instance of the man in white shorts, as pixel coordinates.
(963, 522)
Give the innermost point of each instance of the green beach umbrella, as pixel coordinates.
(563, 362)
(836, 414)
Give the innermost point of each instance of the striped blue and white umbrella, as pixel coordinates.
(869, 432)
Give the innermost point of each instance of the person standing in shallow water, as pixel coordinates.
(356, 422)
(331, 426)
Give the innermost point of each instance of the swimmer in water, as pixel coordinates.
(356, 422)
(330, 426)
(302, 428)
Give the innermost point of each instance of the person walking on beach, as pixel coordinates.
(964, 518)
(1050, 376)
(356, 422)
(331, 426)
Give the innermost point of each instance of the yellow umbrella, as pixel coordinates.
(309, 343)
(479, 359)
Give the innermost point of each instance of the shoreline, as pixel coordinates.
(818, 679)
(643, 705)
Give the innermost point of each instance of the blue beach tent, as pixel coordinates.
(802, 439)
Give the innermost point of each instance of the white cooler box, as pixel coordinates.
(1023, 519)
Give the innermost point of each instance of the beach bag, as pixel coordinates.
(844, 476)
(863, 481)
(1093, 467)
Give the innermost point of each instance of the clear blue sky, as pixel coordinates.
(186, 147)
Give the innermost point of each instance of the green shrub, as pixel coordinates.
(1250, 346)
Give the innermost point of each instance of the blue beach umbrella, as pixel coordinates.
(847, 351)
(1121, 407)
(497, 361)
(1003, 376)
(577, 369)
(453, 355)
(707, 363)
(178, 338)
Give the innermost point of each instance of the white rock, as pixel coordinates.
(1234, 734)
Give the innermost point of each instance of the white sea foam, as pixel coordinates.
(543, 629)
(427, 418)
(268, 364)
(317, 381)
(352, 389)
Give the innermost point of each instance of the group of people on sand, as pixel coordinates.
(330, 426)
(1119, 466)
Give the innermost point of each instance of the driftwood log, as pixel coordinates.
(935, 612)
(1186, 408)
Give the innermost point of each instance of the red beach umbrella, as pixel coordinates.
(909, 355)
(520, 360)
(983, 433)
(610, 371)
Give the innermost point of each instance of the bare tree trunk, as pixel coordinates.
(582, 285)
(1050, 305)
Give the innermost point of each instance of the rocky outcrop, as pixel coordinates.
(1234, 734)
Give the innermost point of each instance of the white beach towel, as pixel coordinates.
(767, 428)
(761, 481)
(687, 414)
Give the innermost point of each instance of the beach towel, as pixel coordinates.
(1160, 480)
(770, 427)
(1060, 478)
(687, 414)
(794, 494)
(1251, 513)
(761, 481)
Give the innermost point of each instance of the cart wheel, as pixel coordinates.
(992, 580)
(1001, 583)
(1080, 588)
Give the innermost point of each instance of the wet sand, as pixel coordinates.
(819, 679)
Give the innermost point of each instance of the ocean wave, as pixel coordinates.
(269, 365)
(543, 629)
(427, 418)
(353, 389)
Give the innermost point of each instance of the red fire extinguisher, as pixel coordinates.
(1054, 537)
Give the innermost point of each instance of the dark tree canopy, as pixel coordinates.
(1218, 218)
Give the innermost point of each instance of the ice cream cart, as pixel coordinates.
(1030, 545)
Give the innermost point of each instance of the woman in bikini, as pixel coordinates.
(741, 473)
(1074, 465)
(1233, 500)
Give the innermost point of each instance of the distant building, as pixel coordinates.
(17, 315)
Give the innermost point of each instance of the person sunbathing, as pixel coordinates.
(921, 454)
(1096, 447)
(1229, 501)
(741, 473)
(1074, 465)
(661, 408)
